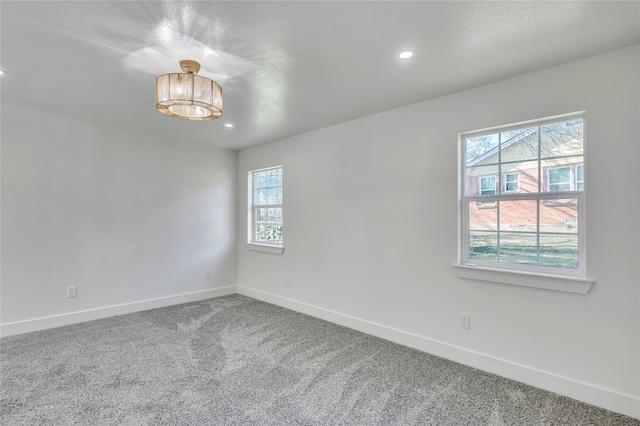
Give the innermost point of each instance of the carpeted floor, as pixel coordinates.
(238, 361)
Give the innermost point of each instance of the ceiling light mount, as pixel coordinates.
(187, 95)
(190, 66)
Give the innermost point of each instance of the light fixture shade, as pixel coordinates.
(187, 95)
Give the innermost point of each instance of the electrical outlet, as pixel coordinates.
(465, 320)
(72, 292)
(207, 275)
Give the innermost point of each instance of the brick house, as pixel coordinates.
(546, 159)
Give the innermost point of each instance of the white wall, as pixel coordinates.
(371, 229)
(131, 219)
(371, 224)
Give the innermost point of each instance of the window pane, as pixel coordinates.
(261, 215)
(524, 176)
(483, 218)
(511, 182)
(261, 196)
(260, 232)
(518, 248)
(560, 175)
(272, 178)
(579, 177)
(519, 215)
(260, 180)
(483, 246)
(559, 179)
(559, 251)
(270, 233)
(560, 187)
(488, 185)
(519, 145)
(271, 215)
(475, 174)
(272, 196)
(559, 216)
(479, 147)
(562, 139)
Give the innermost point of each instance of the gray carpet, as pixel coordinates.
(237, 361)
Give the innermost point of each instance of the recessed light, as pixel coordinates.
(406, 54)
(228, 125)
(2, 72)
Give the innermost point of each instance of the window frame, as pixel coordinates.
(548, 277)
(276, 247)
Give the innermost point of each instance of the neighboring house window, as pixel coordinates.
(537, 224)
(511, 182)
(559, 179)
(580, 177)
(266, 206)
(488, 185)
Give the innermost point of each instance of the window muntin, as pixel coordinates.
(266, 221)
(533, 223)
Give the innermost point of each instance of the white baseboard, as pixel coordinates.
(591, 394)
(53, 321)
(605, 398)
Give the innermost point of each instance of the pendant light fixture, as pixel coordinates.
(187, 95)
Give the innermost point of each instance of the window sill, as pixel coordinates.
(265, 248)
(565, 284)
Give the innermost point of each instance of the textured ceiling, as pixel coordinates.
(285, 67)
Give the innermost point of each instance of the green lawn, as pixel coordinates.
(555, 250)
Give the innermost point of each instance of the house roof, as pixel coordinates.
(548, 139)
(504, 144)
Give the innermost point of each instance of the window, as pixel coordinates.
(579, 177)
(265, 217)
(559, 179)
(488, 185)
(534, 226)
(511, 182)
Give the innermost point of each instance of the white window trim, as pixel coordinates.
(570, 281)
(578, 285)
(260, 246)
(266, 248)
